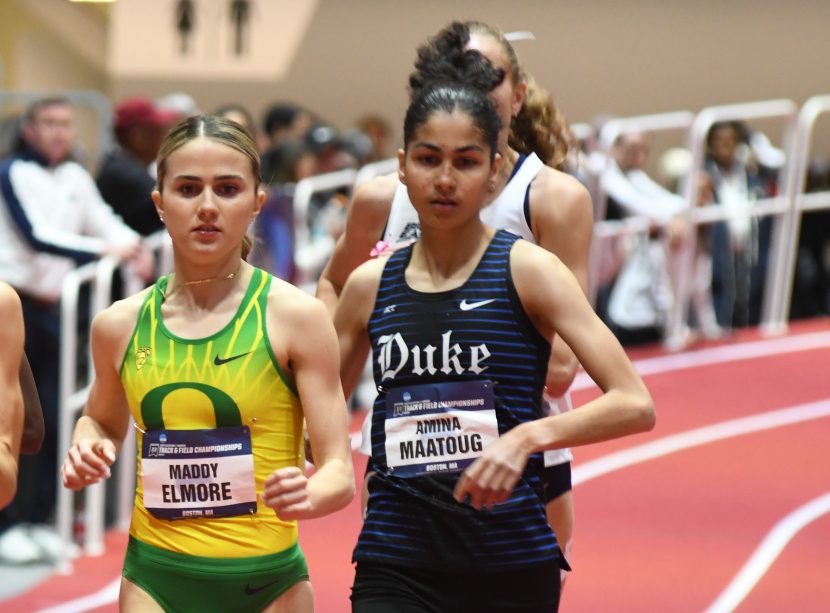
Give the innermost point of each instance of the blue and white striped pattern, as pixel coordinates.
(416, 521)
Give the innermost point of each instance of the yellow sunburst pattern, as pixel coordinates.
(238, 362)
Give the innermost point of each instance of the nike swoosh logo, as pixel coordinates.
(469, 306)
(219, 361)
(253, 590)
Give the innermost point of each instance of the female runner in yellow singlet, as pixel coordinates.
(218, 363)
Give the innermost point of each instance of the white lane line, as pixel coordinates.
(766, 553)
(105, 596)
(718, 355)
(698, 436)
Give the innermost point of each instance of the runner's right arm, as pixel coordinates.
(102, 427)
(351, 319)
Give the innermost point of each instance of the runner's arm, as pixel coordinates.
(11, 400)
(351, 319)
(101, 429)
(33, 426)
(314, 361)
(556, 304)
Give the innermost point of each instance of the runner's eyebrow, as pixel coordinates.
(463, 149)
(228, 177)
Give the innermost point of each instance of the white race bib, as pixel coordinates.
(198, 473)
(438, 428)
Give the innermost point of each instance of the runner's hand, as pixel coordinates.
(286, 491)
(88, 462)
(491, 478)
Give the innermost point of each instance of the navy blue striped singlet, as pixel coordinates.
(476, 332)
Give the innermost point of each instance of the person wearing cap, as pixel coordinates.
(124, 178)
(52, 218)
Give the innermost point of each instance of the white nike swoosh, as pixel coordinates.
(469, 306)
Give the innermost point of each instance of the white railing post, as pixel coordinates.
(68, 401)
(782, 269)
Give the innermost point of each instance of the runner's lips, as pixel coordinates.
(444, 201)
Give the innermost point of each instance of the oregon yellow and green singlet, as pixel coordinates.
(228, 379)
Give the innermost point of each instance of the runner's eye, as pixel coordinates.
(228, 189)
(188, 189)
(427, 160)
(467, 162)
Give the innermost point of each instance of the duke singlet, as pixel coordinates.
(459, 345)
(510, 210)
(216, 416)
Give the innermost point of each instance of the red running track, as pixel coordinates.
(667, 530)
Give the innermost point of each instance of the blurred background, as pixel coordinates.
(344, 58)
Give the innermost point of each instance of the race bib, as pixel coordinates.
(438, 428)
(198, 473)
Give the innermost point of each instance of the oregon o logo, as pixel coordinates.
(224, 408)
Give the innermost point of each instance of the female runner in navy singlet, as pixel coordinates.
(460, 325)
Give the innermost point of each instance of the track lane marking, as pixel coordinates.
(718, 355)
(696, 437)
(107, 595)
(767, 552)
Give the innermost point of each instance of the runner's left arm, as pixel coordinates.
(555, 303)
(313, 359)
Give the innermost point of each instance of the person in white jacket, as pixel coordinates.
(644, 288)
(52, 218)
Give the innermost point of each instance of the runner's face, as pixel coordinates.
(208, 198)
(447, 169)
(507, 96)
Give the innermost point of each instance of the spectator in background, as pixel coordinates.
(283, 123)
(51, 218)
(739, 244)
(124, 178)
(642, 293)
(811, 288)
(273, 248)
(286, 121)
(379, 132)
